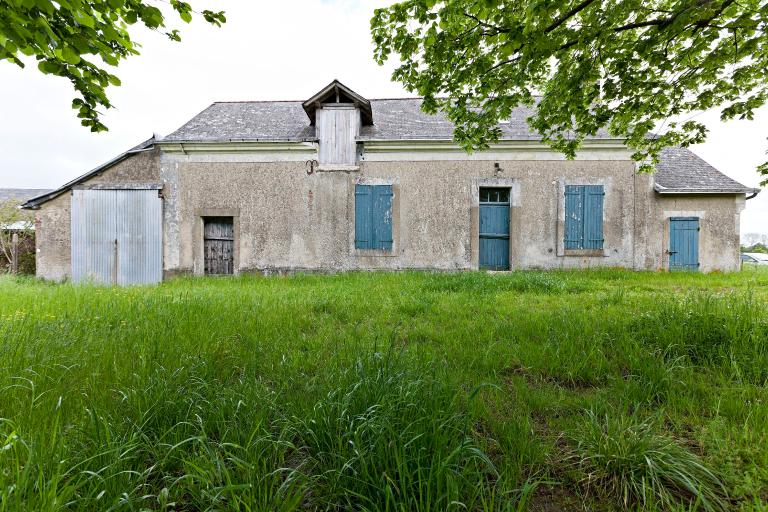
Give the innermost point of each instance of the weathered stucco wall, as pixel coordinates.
(719, 229)
(53, 221)
(52, 238)
(287, 219)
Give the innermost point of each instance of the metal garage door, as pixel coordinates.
(117, 236)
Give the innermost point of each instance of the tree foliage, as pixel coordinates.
(13, 220)
(755, 248)
(640, 69)
(76, 38)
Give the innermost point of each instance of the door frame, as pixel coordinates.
(198, 227)
(662, 260)
(474, 218)
(668, 250)
(230, 222)
(508, 234)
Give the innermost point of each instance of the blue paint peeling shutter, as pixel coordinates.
(373, 217)
(574, 216)
(382, 217)
(593, 216)
(363, 227)
(584, 216)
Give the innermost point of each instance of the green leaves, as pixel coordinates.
(628, 67)
(70, 56)
(62, 35)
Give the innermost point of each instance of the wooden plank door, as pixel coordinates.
(218, 245)
(494, 228)
(684, 243)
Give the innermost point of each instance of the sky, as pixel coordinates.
(265, 51)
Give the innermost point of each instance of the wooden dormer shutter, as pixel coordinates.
(338, 126)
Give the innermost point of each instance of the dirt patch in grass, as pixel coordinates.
(556, 498)
(535, 377)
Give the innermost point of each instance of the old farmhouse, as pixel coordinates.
(341, 182)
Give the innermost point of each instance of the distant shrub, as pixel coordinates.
(622, 459)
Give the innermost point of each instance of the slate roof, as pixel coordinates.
(393, 119)
(682, 171)
(403, 119)
(247, 121)
(21, 194)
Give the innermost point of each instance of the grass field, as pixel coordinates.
(603, 390)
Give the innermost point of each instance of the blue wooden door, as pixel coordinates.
(683, 243)
(494, 228)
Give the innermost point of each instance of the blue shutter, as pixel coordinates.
(382, 217)
(373, 217)
(574, 217)
(584, 216)
(363, 226)
(593, 217)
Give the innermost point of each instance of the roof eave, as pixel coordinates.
(678, 191)
(35, 202)
(166, 142)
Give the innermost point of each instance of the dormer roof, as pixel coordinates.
(336, 92)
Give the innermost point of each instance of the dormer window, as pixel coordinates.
(337, 113)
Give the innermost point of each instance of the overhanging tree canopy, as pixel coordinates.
(63, 34)
(629, 66)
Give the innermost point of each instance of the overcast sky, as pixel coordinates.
(266, 50)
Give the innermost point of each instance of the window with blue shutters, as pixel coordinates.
(373, 217)
(584, 217)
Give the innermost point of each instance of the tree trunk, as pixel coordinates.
(15, 253)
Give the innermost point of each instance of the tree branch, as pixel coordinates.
(498, 30)
(570, 14)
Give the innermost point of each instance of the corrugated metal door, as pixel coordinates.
(684, 243)
(218, 245)
(139, 237)
(93, 236)
(494, 228)
(116, 236)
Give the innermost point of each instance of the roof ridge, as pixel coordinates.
(302, 101)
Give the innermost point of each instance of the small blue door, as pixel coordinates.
(494, 228)
(684, 243)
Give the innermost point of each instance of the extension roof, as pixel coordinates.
(681, 171)
(21, 194)
(36, 201)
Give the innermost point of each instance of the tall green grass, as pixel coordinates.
(369, 391)
(623, 459)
